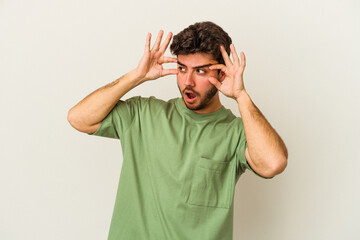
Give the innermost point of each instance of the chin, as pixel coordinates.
(193, 106)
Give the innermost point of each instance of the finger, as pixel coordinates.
(215, 82)
(221, 67)
(166, 42)
(158, 40)
(222, 77)
(234, 54)
(169, 60)
(225, 56)
(147, 43)
(165, 72)
(243, 60)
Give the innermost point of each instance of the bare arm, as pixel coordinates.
(266, 152)
(87, 115)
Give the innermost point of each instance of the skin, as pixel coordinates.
(87, 115)
(193, 77)
(266, 152)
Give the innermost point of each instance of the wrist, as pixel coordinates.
(135, 77)
(243, 96)
(243, 100)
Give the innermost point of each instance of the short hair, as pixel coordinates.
(205, 37)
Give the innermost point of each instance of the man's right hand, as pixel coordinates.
(150, 66)
(87, 115)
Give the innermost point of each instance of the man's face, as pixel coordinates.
(196, 90)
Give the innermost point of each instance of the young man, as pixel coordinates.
(183, 157)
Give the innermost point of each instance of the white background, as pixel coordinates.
(302, 72)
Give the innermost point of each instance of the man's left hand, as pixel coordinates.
(231, 82)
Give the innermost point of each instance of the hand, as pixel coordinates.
(150, 65)
(231, 82)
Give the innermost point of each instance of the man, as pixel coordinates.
(183, 157)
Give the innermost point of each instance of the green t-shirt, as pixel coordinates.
(179, 170)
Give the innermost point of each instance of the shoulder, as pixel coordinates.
(157, 103)
(151, 99)
(231, 125)
(138, 101)
(151, 103)
(228, 117)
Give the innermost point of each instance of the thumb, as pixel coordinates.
(169, 71)
(215, 82)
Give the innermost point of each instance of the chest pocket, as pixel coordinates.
(212, 184)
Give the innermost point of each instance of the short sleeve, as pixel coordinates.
(241, 162)
(120, 118)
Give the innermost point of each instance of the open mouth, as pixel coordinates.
(190, 96)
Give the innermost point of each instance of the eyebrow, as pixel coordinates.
(201, 66)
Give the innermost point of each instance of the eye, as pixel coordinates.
(181, 69)
(201, 71)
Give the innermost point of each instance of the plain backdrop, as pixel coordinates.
(302, 72)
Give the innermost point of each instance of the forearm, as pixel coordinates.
(97, 105)
(267, 150)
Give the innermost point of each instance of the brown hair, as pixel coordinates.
(205, 37)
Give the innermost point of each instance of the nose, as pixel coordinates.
(189, 80)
